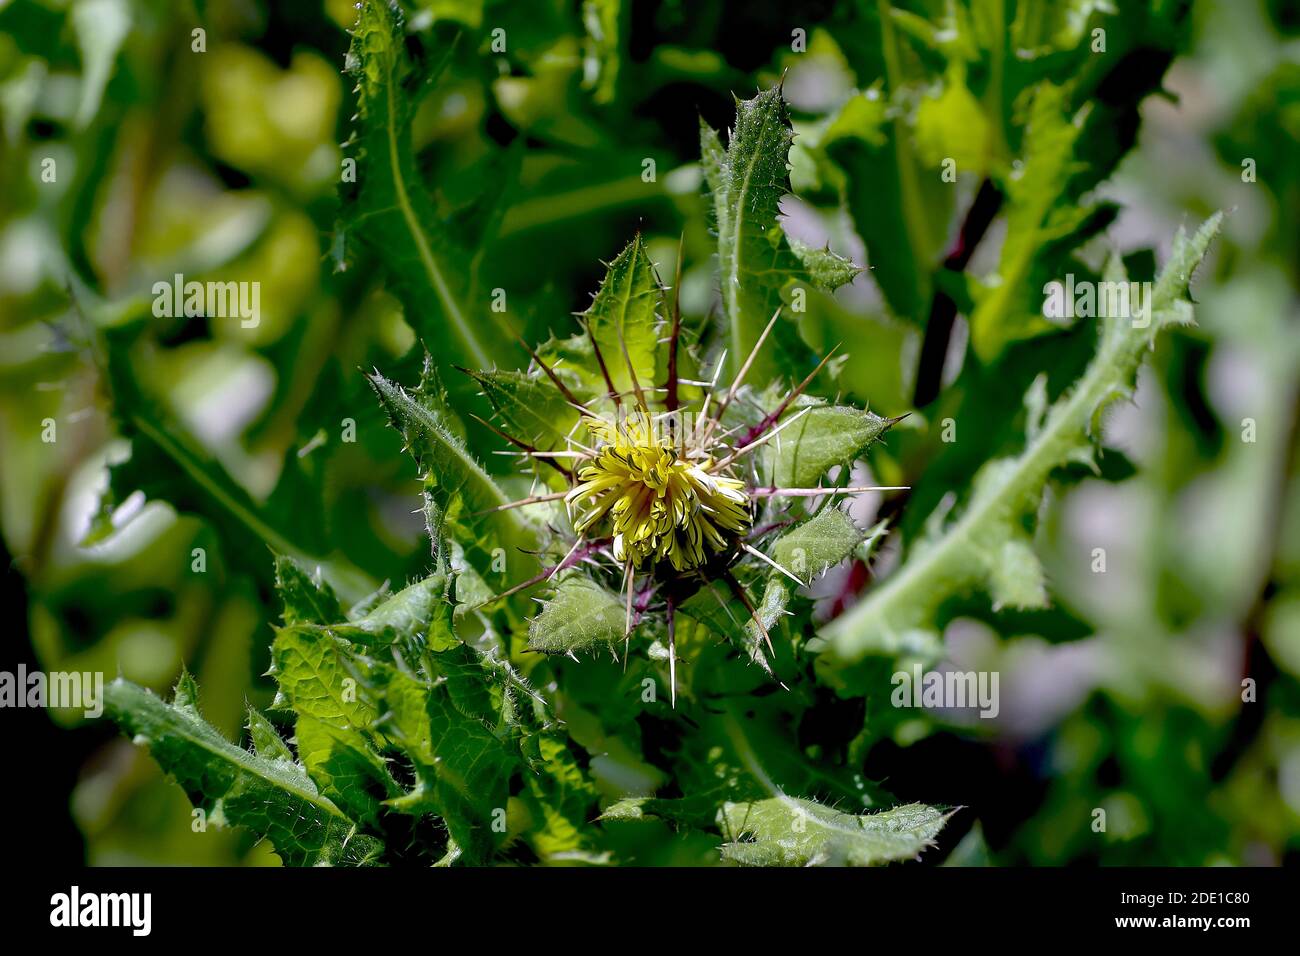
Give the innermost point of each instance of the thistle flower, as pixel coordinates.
(662, 489)
(658, 502)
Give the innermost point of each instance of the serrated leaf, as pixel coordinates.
(315, 668)
(561, 797)
(824, 437)
(713, 158)
(827, 270)
(710, 607)
(306, 598)
(412, 611)
(345, 768)
(747, 181)
(531, 408)
(1016, 577)
(769, 611)
(308, 665)
(574, 361)
(267, 742)
(787, 831)
(463, 767)
(970, 551)
(717, 610)
(581, 615)
(392, 209)
(812, 546)
(624, 315)
(462, 499)
(270, 796)
(1009, 305)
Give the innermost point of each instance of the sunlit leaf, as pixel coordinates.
(268, 795)
(786, 831)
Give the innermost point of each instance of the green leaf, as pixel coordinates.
(722, 615)
(629, 808)
(573, 360)
(1016, 578)
(313, 669)
(270, 796)
(770, 608)
(345, 768)
(747, 181)
(306, 598)
(1040, 217)
(531, 408)
(696, 811)
(562, 798)
(101, 27)
(624, 318)
(393, 211)
(462, 765)
(412, 611)
(600, 63)
(787, 831)
(461, 499)
(267, 742)
(308, 664)
(581, 615)
(713, 158)
(169, 464)
(951, 126)
(900, 212)
(823, 541)
(825, 436)
(971, 851)
(988, 544)
(468, 12)
(827, 270)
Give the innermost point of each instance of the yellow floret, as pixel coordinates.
(655, 504)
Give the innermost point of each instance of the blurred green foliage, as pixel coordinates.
(133, 148)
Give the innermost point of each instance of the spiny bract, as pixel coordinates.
(657, 489)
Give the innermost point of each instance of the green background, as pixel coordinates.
(225, 164)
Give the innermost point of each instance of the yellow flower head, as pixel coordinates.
(658, 504)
